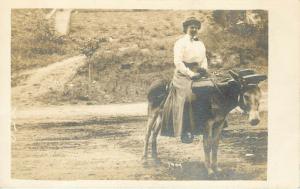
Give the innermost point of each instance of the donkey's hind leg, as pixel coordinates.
(207, 144)
(215, 144)
(152, 116)
(156, 129)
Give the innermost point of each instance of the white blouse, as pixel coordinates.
(187, 51)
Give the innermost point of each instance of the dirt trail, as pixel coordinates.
(43, 80)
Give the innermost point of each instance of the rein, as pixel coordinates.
(240, 102)
(218, 88)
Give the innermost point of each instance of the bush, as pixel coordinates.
(241, 34)
(44, 39)
(34, 42)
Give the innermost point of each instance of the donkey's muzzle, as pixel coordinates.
(254, 122)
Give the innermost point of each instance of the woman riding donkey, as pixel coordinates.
(191, 63)
(178, 111)
(187, 108)
(173, 115)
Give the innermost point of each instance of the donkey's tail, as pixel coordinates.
(157, 92)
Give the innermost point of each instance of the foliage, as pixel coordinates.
(245, 23)
(135, 47)
(91, 46)
(34, 42)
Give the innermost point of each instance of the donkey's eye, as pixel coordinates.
(247, 97)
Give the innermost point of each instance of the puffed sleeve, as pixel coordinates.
(204, 64)
(178, 59)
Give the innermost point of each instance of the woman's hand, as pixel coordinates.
(196, 76)
(202, 71)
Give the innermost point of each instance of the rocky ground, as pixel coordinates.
(109, 148)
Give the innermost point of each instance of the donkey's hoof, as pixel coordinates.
(217, 169)
(210, 173)
(213, 177)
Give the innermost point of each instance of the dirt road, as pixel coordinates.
(111, 148)
(79, 112)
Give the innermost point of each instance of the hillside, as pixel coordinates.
(138, 50)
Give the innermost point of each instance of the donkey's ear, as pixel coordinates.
(234, 75)
(234, 85)
(245, 72)
(263, 77)
(255, 78)
(250, 86)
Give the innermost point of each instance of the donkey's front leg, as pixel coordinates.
(207, 144)
(215, 144)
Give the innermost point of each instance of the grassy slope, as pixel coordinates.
(33, 43)
(139, 52)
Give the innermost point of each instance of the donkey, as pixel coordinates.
(240, 91)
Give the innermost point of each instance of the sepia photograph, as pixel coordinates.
(139, 94)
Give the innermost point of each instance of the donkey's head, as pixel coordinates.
(249, 101)
(250, 94)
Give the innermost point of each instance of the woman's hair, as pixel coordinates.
(190, 21)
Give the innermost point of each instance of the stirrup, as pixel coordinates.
(187, 138)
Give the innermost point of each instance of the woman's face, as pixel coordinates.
(192, 29)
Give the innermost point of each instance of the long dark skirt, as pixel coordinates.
(179, 115)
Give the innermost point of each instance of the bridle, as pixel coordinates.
(246, 80)
(241, 102)
(244, 87)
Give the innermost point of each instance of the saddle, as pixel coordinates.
(159, 88)
(203, 86)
